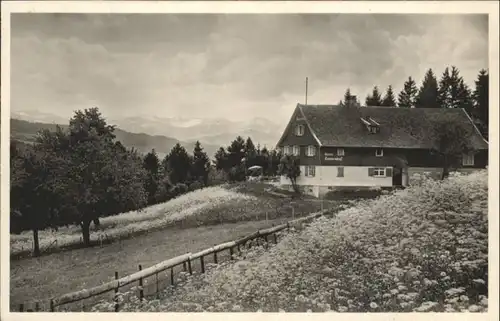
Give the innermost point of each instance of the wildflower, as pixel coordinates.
(373, 305)
(343, 309)
(464, 298)
(474, 308)
(443, 274)
(426, 306)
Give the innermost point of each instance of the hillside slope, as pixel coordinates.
(26, 131)
(421, 249)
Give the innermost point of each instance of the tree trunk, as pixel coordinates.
(36, 244)
(445, 168)
(86, 232)
(294, 185)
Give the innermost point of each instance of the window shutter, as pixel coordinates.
(388, 172)
(370, 171)
(340, 171)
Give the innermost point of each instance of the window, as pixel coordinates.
(340, 152)
(468, 159)
(310, 171)
(296, 150)
(286, 150)
(379, 152)
(311, 151)
(376, 172)
(340, 171)
(299, 130)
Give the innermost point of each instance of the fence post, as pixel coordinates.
(189, 266)
(202, 262)
(141, 290)
(275, 238)
(51, 305)
(215, 257)
(288, 226)
(116, 293)
(172, 275)
(21, 307)
(37, 306)
(293, 212)
(231, 252)
(157, 288)
(184, 267)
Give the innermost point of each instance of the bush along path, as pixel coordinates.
(422, 249)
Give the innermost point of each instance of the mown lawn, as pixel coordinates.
(41, 278)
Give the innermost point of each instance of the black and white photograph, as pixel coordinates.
(233, 161)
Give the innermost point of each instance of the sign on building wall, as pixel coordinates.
(332, 157)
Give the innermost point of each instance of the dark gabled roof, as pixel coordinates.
(341, 126)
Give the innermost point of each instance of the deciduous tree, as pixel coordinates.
(290, 167)
(451, 141)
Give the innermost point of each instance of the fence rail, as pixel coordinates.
(185, 260)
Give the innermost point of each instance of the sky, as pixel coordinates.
(228, 66)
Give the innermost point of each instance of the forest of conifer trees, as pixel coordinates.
(449, 91)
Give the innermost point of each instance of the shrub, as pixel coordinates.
(195, 185)
(179, 189)
(237, 174)
(424, 248)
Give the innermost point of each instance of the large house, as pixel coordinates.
(354, 146)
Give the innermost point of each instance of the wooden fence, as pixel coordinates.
(186, 260)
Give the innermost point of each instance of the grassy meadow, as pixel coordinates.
(422, 249)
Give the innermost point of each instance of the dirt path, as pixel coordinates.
(59, 273)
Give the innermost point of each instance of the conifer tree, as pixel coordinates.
(201, 164)
(428, 92)
(453, 92)
(408, 96)
(374, 99)
(481, 101)
(389, 100)
(347, 98)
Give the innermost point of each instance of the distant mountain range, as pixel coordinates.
(146, 133)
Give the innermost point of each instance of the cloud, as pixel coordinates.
(250, 65)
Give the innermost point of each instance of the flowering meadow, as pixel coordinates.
(191, 206)
(422, 249)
